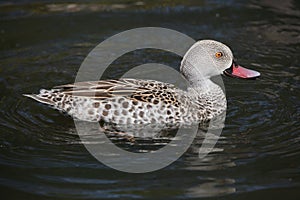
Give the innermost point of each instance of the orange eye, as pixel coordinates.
(219, 54)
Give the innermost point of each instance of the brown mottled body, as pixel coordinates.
(128, 101)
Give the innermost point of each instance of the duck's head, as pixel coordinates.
(208, 58)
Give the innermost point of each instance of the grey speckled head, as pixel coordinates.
(206, 58)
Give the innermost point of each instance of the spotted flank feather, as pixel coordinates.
(124, 101)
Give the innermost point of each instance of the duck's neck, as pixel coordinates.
(198, 79)
(208, 93)
(204, 86)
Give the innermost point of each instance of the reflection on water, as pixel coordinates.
(43, 44)
(214, 187)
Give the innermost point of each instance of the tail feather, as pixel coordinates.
(38, 98)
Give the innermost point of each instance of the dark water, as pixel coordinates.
(43, 44)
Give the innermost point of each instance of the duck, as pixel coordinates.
(137, 101)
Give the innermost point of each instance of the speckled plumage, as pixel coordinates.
(128, 101)
(134, 101)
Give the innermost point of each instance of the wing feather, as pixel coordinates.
(140, 90)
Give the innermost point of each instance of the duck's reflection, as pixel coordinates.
(215, 160)
(215, 187)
